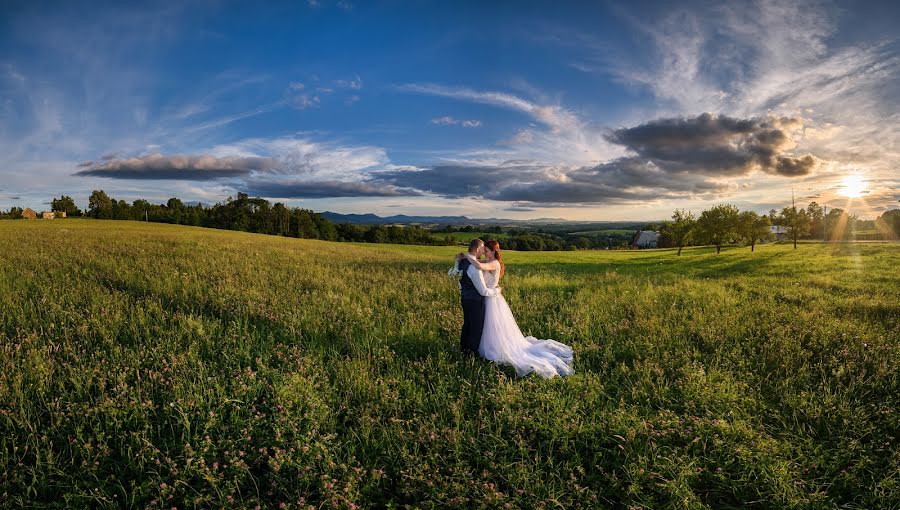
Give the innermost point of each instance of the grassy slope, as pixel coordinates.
(146, 364)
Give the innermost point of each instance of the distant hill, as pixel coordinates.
(372, 219)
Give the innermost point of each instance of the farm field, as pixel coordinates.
(154, 366)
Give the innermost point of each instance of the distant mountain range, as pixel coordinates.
(372, 219)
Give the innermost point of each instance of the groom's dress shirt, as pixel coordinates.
(478, 281)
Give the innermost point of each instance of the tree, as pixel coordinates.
(65, 204)
(121, 210)
(140, 209)
(889, 222)
(282, 217)
(175, 207)
(816, 220)
(100, 205)
(15, 213)
(752, 227)
(680, 230)
(796, 222)
(304, 224)
(717, 225)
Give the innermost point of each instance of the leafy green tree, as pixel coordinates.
(816, 220)
(305, 226)
(14, 213)
(176, 209)
(65, 204)
(796, 222)
(121, 210)
(680, 231)
(718, 225)
(377, 234)
(282, 217)
(752, 228)
(326, 229)
(100, 205)
(889, 221)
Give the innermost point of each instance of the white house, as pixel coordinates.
(645, 239)
(778, 232)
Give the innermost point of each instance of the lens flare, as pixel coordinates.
(852, 186)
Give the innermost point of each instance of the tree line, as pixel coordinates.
(724, 224)
(720, 225)
(258, 215)
(241, 213)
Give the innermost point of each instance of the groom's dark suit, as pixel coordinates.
(473, 311)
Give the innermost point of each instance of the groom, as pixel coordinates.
(472, 293)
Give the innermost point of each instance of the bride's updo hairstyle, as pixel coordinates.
(494, 246)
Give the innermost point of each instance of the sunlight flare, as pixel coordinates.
(852, 186)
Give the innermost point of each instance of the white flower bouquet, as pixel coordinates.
(455, 273)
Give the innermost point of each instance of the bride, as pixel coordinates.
(501, 339)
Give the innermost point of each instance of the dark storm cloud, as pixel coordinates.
(672, 158)
(462, 181)
(718, 145)
(183, 167)
(324, 189)
(621, 180)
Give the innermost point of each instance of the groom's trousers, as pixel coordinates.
(473, 323)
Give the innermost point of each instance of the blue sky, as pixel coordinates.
(580, 110)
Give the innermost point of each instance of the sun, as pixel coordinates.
(852, 186)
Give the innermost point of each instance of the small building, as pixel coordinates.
(29, 214)
(645, 239)
(48, 215)
(60, 214)
(778, 232)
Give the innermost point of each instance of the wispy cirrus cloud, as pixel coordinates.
(554, 116)
(558, 135)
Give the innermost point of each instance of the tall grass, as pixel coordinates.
(155, 366)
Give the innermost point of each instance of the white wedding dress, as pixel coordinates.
(503, 342)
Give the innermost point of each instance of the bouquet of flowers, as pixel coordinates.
(455, 273)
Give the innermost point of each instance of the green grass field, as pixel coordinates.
(156, 366)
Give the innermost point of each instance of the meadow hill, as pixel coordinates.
(156, 365)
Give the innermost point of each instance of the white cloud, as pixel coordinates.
(353, 84)
(444, 121)
(450, 121)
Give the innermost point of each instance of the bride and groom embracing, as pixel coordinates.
(489, 327)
